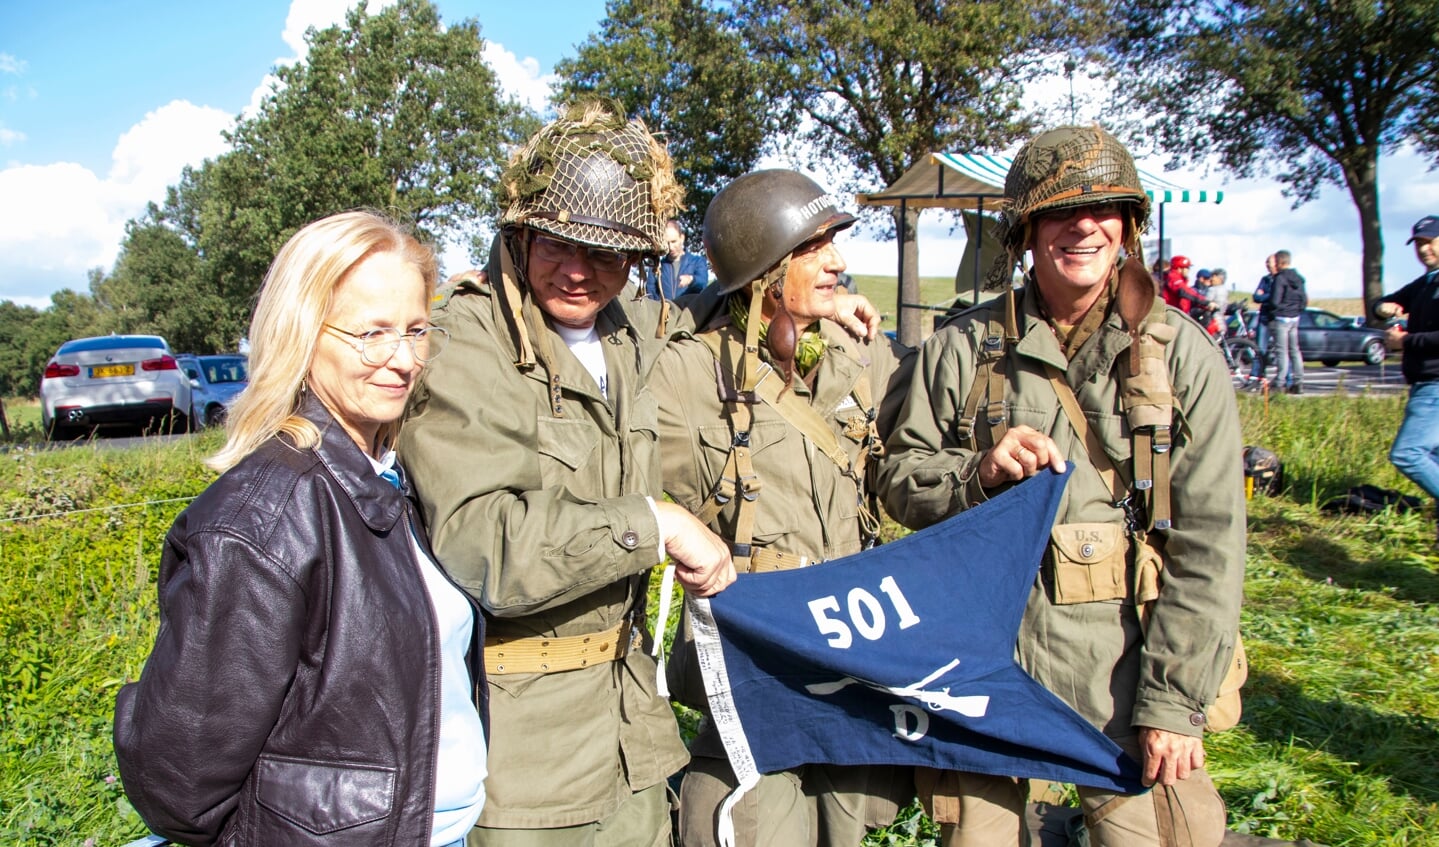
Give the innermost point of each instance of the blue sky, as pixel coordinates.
(103, 103)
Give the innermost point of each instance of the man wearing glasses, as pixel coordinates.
(534, 451)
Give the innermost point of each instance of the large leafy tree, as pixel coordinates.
(1315, 91)
(859, 91)
(392, 111)
(681, 66)
(879, 84)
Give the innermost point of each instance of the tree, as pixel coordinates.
(391, 111)
(681, 66)
(1317, 90)
(882, 83)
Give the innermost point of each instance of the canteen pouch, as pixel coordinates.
(1089, 562)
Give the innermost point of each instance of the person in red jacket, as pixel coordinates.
(1177, 290)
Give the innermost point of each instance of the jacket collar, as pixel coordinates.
(1095, 356)
(379, 504)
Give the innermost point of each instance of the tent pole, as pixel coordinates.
(978, 244)
(899, 283)
(1162, 257)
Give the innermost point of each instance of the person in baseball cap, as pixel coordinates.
(1413, 452)
(1426, 227)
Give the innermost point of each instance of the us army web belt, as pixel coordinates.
(538, 654)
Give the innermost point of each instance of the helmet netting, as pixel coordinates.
(594, 163)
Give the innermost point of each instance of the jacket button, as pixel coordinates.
(1196, 718)
(630, 539)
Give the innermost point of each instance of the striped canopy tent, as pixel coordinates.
(976, 182)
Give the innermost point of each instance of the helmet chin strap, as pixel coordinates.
(780, 335)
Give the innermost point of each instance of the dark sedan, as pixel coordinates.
(1328, 338)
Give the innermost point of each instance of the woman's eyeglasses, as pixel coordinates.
(378, 346)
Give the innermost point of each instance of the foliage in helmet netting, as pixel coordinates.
(593, 161)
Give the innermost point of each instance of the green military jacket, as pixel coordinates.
(545, 520)
(1095, 655)
(806, 505)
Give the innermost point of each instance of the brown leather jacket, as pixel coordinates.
(293, 693)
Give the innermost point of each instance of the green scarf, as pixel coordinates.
(808, 351)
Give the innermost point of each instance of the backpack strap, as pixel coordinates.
(1148, 400)
(989, 379)
(762, 385)
(738, 477)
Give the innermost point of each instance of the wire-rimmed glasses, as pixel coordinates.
(378, 346)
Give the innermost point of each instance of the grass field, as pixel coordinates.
(1339, 741)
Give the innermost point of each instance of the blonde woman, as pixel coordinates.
(316, 679)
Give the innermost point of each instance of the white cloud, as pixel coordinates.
(10, 136)
(520, 78)
(11, 65)
(62, 219)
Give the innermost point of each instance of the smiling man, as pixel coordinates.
(1132, 617)
(774, 396)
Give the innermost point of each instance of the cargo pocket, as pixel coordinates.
(1089, 562)
(566, 449)
(324, 797)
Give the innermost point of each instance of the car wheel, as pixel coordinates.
(1329, 363)
(214, 415)
(1375, 351)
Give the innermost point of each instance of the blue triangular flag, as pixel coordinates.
(903, 654)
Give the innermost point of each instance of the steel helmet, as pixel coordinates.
(760, 218)
(1179, 263)
(593, 177)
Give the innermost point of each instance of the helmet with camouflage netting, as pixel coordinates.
(760, 218)
(593, 177)
(1067, 167)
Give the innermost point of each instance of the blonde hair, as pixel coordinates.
(297, 296)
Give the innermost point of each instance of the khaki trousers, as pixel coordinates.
(816, 805)
(641, 821)
(1189, 813)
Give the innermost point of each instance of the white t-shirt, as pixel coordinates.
(585, 344)
(461, 768)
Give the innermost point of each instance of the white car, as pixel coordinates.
(113, 379)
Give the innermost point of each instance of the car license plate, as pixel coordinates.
(102, 371)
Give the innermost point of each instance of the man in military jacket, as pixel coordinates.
(1132, 619)
(535, 457)
(795, 492)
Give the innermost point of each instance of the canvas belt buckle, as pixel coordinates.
(764, 560)
(540, 654)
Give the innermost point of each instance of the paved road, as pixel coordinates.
(1381, 379)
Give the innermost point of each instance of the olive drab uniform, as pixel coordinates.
(793, 505)
(1131, 621)
(536, 504)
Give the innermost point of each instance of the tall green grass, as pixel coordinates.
(1339, 742)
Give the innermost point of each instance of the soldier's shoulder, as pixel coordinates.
(963, 317)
